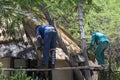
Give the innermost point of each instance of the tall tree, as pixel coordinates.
(83, 38)
(51, 22)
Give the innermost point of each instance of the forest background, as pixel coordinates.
(101, 15)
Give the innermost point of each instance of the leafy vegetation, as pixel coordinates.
(18, 75)
(101, 15)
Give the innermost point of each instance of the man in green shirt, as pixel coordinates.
(102, 42)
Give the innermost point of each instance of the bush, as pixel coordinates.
(19, 75)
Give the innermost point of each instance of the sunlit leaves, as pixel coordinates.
(104, 17)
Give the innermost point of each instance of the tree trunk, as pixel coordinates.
(62, 44)
(83, 39)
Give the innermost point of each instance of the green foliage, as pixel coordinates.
(99, 15)
(10, 15)
(116, 75)
(20, 75)
(2, 76)
(103, 16)
(103, 76)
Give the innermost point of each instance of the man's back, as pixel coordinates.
(99, 37)
(40, 30)
(102, 43)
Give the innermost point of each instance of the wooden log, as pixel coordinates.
(83, 39)
(62, 44)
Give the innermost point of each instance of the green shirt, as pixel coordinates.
(97, 38)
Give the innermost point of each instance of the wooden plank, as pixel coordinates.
(94, 68)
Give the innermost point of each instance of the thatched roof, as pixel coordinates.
(69, 41)
(17, 50)
(10, 48)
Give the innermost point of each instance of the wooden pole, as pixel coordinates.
(110, 60)
(83, 39)
(51, 22)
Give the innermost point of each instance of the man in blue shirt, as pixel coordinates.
(48, 34)
(101, 42)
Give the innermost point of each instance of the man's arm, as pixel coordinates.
(92, 42)
(39, 38)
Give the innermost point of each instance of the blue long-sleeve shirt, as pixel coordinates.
(97, 38)
(42, 28)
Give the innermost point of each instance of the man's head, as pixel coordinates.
(37, 26)
(92, 32)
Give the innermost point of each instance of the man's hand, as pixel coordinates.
(39, 40)
(89, 50)
(39, 43)
(39, 48)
